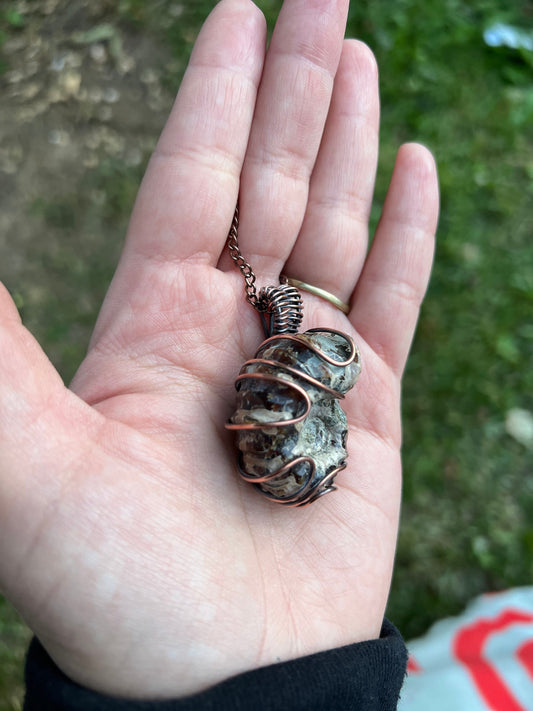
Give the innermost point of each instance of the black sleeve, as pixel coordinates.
(364, 677)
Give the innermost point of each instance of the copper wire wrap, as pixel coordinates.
(310, 490)
(281, 309)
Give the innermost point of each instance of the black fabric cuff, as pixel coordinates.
(366, 676)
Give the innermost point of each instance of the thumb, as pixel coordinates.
(29, 384)
(40, 424)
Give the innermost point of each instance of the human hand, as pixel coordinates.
(129, 544)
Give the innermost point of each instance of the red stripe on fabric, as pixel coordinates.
(524, 654)
(468, 648)
(413, 667)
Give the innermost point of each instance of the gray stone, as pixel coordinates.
(274, 397)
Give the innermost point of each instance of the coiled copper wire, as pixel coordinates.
(281, 309)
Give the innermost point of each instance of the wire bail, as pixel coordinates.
(281, 309)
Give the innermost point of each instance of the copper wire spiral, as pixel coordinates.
(309, 491)
(281, 309)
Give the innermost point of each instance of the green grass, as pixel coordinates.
(468, 495)
(14, 638)
(467, 523)
(80, 270)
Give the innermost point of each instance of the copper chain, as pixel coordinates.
(246, 270)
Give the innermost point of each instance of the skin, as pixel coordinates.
(129, 544)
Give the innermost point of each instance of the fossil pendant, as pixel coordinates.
(290, 429)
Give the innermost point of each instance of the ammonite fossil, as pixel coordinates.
(291, 430)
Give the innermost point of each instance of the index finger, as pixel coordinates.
(190, 189)
(188, 194)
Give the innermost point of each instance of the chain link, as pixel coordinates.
(245, 268)
(281, 306)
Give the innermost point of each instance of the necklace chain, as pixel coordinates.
(280, 307)
(246, 270)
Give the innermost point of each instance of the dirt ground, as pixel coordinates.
(84, 98)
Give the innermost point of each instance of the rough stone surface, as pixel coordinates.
(321, 436)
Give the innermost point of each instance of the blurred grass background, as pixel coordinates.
(467, 524)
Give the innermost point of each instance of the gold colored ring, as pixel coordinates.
(321, 293)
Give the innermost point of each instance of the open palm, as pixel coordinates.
(143, 563)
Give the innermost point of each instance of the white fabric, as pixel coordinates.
(479, 661)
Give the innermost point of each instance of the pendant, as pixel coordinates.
(290, 429)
